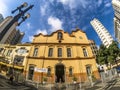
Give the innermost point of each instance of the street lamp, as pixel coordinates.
(17, 17)
(24, 18)
(19, 8)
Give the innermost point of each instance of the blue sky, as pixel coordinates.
(48, 16)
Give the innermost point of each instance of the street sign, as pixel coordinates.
(41, 70)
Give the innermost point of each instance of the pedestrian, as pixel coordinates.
(11, 78)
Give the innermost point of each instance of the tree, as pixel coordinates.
(101, 56)
(108, 55)
(113, 52)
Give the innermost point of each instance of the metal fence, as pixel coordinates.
(106, 77)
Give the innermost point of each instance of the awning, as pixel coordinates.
(10, 65)
(3, 63)
(16, 67)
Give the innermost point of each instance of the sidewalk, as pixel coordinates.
(15, 83)
(114, 84)
(110, 85)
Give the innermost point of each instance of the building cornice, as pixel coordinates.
(10, 46)
(54, 33)
(77, 29)
(71, 35)
(25, 44)
(59, 43)
(50, 58)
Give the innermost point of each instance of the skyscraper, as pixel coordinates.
(93, 47)
(1, 18)
(116, 6)
(11, 36)
(17, 37)
(102, 32)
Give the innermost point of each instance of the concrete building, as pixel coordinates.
(13, 58)
(102, 32)
(93, 47)
(116, 7)
(11, 36)
(5, 22)
(17, 37)
(1, 18)
(61, 57)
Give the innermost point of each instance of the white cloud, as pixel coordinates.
(44, 32)
(99, 2)
(74, 3)
(84, 28)
(70, 3)
(98, 47)
(31, 38)
(28, 24)
(107, 4)
(43, 9)
(55, 23)
(3, 8)
(107, 12)
(64, 1)
(83, 3)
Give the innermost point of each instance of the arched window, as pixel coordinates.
(50, 52)
(85, 52)
(88, 70)
(59, 52)
(60, 36)
(9, 52)
(1, 49)
(35, 52)
(49, 71)
(68, 52)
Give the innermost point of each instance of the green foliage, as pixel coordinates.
(74, 78)
(108, 55)
(45, 79)
(93, 78)
(101, 56)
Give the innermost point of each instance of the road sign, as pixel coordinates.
(41, 70)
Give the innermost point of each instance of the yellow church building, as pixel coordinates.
(61, 57)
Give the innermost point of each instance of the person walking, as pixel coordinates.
(11, 78)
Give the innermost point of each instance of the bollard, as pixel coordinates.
(91, 81)
(80, 83)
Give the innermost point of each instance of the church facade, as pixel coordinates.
(61, 57)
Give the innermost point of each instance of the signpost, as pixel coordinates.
(45, 70)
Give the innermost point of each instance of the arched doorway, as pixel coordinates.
(31, 72)
(60, 73)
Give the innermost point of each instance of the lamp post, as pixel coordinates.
(21, 14)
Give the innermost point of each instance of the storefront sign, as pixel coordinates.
(41, 70)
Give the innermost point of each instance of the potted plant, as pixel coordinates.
(93, 78)
(74, 79)
(45, 80)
